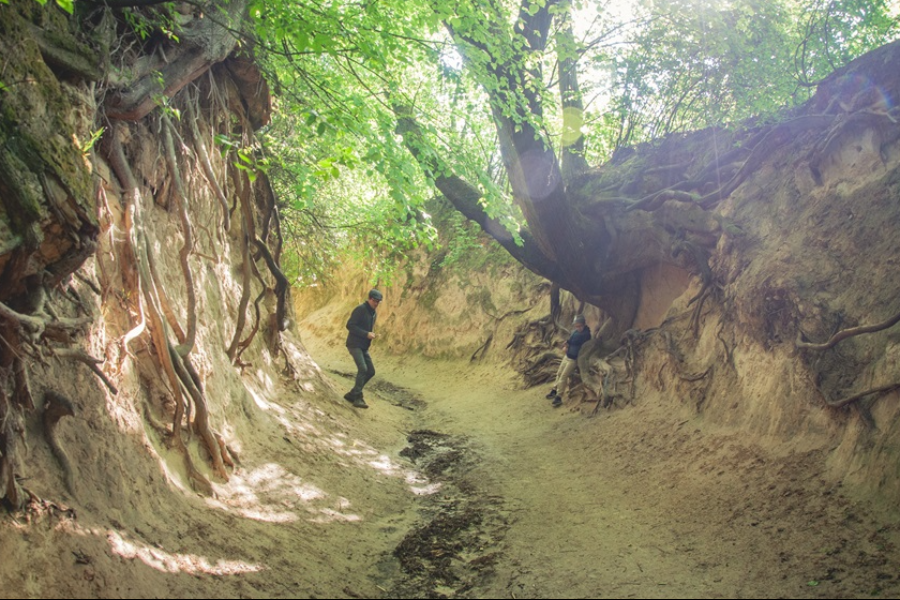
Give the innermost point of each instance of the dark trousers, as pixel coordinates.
(365, 370)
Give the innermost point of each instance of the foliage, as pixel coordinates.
(347, 184)
(699, 63)
(66, 5)
(341, 67)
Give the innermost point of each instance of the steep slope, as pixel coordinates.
(164, 432)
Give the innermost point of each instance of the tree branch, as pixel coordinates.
(466, 198)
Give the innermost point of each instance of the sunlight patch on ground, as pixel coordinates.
(272, 494)
(167, 562)
(302, 430)
(426, 490)
(387, 466)
(163, 456)
(262, 403)
(306, 368)
(263, 377)
(420, 486)
(330, 516)
(360, 454)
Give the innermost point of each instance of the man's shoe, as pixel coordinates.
(360, 403)
(551, 395)
(557, 402)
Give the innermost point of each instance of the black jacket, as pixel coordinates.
(362, 321)
(576, 340)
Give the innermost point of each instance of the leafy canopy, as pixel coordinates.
(340, 68)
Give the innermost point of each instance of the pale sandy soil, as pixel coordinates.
(641, 501)
(498, 496)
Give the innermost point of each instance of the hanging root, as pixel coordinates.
(57, 406)
(242, 184)
(207, 165)
(884, 389)
(22, 384)
(81, 356)
(282, 285)
(846, 333)
(606, 398)
(180, 198)
(150, 298)
(189, 378)
(482, 349)
(249, 339)
(11, 427)
(541, 369)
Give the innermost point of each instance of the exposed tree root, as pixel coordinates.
(590, 354)
(200, 146)
(242, 185)
(164, 304)
(11, 427)
(191, 382)
(772, 139)
(32, 328)
(851, 399)
(169, 360)
(253, 330)
(22, 392)
(89, 282)
(481, 351)
(180, 198)
(541, 369)
(80, 355)
(857, 121)
(761, 145)
(691, 377)
(57, 406)
(282, 285)
(211, 41)
(697, 313)
(846, 333)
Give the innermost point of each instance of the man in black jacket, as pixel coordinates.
(361, 327)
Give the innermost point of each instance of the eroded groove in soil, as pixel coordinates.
(452, 550)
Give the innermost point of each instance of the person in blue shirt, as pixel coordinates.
(573, 345)
(361, 328)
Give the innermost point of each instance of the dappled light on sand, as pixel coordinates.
(168, 562)
(272, 494)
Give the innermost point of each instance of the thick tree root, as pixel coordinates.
(81, 356)
(170, 362)
(11, 427)
(208, 171)
(884, 389)
(57, 406)
(846, 333)
(180, 199)
(242, 185)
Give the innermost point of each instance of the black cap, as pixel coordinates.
(376, 294)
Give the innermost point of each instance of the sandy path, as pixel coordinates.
(643, 501)
(574, 532)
